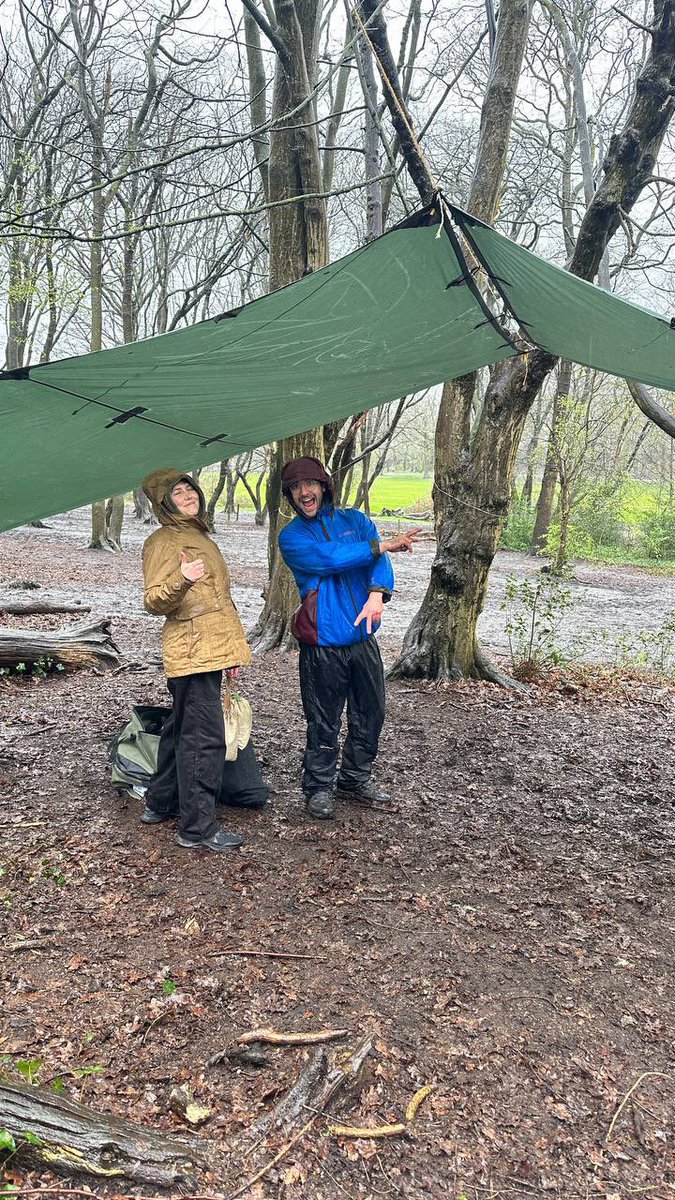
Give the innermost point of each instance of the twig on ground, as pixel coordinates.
(273, 1162)
(291, 1039)
(152, 1025)
(357, 1131)
(24, 733)
(389, 1181)
(629, 1093)
(265, 954)
(324, 1170)
(419, 1097)
(378, 924)
(383, 1131)
(32, 944)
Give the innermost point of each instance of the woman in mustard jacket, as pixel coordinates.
(187, 582)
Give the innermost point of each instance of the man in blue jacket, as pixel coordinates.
(344, 577)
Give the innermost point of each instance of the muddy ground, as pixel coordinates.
(507, 932)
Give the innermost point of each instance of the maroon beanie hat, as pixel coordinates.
(305, 468)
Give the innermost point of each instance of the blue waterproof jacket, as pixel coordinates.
(335, 560)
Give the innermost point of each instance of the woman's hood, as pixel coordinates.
(158, 487)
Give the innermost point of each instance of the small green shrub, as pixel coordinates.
(534, 608)
(29, 1068)
(45, 665)
(579, 543)
(7, 1143)
(656, 534)
(517, 533)
(599, 519)
(652, 651)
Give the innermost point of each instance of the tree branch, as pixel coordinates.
(651, 407)
(376, 34)
(271, 34)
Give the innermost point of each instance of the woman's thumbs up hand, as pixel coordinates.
(192, 571)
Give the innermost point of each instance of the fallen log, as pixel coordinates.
(41, 607)
(62, 1136)
(315, 1088)
(296, 1103)
(87, 644)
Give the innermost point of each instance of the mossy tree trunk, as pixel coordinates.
(56, 1134)
(471, 500)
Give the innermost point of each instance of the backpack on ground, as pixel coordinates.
(133, 758)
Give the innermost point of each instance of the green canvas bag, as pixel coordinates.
(133, 751)
(133, 758)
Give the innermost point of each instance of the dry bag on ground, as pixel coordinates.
(133, 759)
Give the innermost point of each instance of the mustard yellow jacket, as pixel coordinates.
(202, 630)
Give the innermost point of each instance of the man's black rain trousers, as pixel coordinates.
(330, 677)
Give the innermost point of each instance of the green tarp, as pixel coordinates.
(397, 316)
(575, 319)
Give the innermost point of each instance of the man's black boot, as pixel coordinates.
(221, 840)
(321, 805)
(364, 793)
(150, 817)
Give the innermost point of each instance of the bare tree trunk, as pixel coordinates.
(549, 479)
(565, 515)
(473, 478)
(99, 527)
(230, 492)
(217, 493)
(363, 490)
(142, 507)
(531, 452)
(115, 521)
(298, 245)
(441, 642)
(335, 119)
(257, 96)
(343, 457)
(17, 285)
(260, 504)
(371, 145)
(255, 494)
